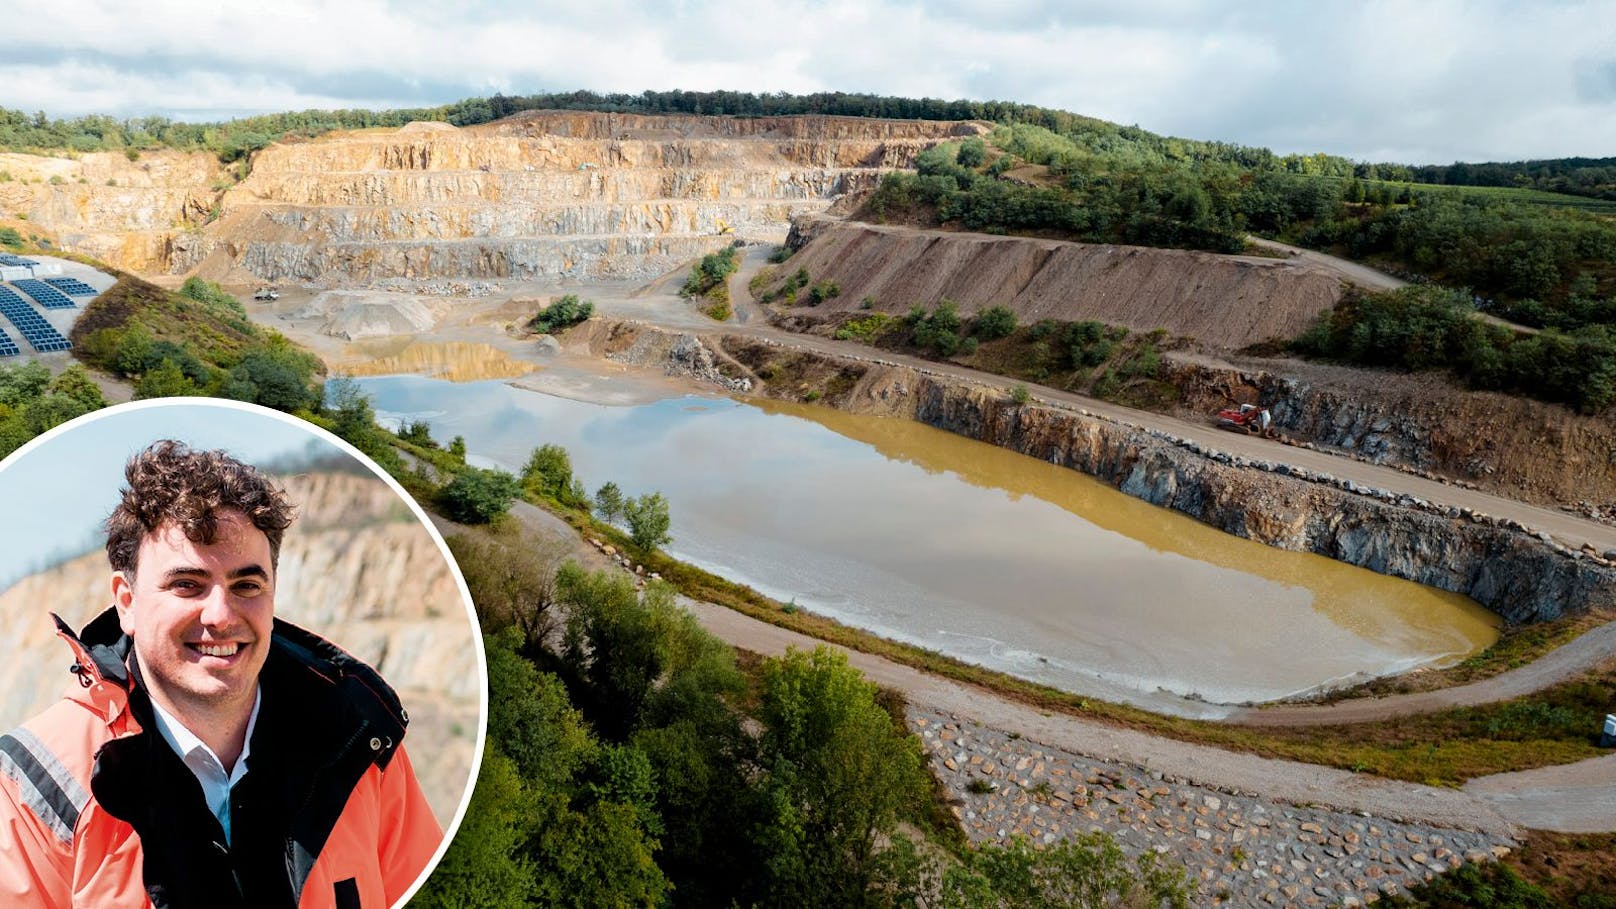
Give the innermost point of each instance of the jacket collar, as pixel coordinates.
(100, 651)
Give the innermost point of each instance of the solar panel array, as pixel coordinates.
(72, 286)
(48, 296)
(35, 330)
(8, 259)
(8, 347)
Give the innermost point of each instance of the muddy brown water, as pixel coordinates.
(986, 555)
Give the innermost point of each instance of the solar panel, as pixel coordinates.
(72, 286)
(8, 259)
(35, 330)
(48, 296)
(8, 347)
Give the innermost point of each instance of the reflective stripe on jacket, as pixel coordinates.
(96, 812)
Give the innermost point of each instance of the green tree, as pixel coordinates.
(548, 471)
(839, 774)
(546, 833)
(972, 152)
(512, 584)
(457, 448)
(278, 378)
(354, 420)
(75, 384)
(613, 647)
(477, 496)
(609, 502)
(23, 383)
(648, 520)
(486, 867)
(165, 381)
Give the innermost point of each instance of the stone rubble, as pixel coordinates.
(1238, 850)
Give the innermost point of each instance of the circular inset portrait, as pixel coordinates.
(241, 667)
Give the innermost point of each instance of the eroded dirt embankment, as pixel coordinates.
(1494, 562)
(1226, 301)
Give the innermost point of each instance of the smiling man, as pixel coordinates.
(208, 754)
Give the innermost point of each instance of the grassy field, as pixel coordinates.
(1524, 196)
(1501, 193)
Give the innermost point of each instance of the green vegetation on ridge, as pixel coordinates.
(1423, 328)
(195, 341)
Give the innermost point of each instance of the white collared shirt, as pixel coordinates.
(204, 764)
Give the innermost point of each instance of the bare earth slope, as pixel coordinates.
(1226, 301)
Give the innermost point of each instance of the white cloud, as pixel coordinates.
(1379, 80)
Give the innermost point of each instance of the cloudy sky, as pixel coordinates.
(1423, 81)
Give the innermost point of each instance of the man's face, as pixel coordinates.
(200, 615)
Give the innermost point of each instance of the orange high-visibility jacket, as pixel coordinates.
(97, 812)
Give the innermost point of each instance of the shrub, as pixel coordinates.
(210, 294)
(477, 496)
(938, 330)
(994, 322)
(417, 432)
(823, 291)
(1428, 328)
(562, 313)
(863, 328)
(710, 273)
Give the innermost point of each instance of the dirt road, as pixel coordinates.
(1363, 276)
(1287, 781)
(1591, 649)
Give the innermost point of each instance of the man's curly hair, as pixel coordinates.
(172, 483)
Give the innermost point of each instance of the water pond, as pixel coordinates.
(962, 547)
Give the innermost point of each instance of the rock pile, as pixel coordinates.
(1238, 850)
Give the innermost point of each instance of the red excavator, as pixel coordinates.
(1247, 418)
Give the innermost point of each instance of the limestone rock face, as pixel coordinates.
(356, 568)
(122, 211)
(540, 195)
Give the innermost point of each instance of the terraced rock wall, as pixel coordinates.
(541, 195)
